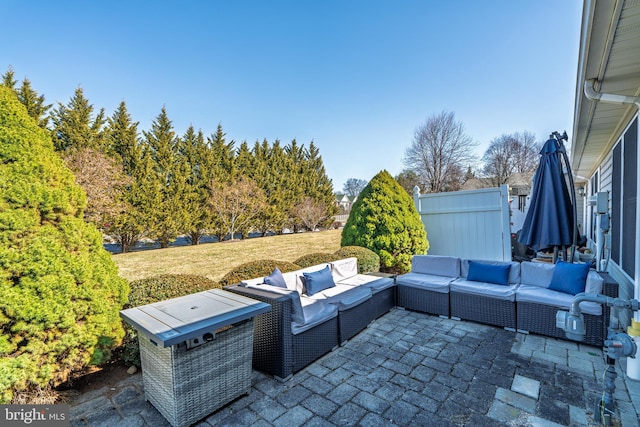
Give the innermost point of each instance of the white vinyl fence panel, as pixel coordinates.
(472, 224)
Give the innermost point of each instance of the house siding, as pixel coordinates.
(614, 176)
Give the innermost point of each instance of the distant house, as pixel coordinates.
(344, 202)
(604, 151)
(519, 188)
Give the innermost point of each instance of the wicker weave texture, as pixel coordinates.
(541, 319)
(423, 300)
(354, 320)
(383, 301)
(187, 385)
(310, 345)
(276, 350)
(491, 311)
(272, 341)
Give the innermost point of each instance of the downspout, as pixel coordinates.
(611, 98)
(592, 94)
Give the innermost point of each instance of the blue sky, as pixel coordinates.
(356, 77)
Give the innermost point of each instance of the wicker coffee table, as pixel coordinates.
(196, 352)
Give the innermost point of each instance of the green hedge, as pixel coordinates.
(60, 290)
(253, 269)
(368, 261)
(315, 259)
(154, 289)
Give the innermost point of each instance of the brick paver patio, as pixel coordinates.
(409, 369)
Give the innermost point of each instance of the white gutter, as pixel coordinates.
(610, 98)
(593, 95)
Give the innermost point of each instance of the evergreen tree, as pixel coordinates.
(270, 172)
(8, 79)
(385, 220)
(61, 294)
(166, 186)
(219, 171)
(192, 150)
(35, 104)
(140, 199)
(316, 184)
(222, 156)
(74, 126)
(244, 161)
(122, 139)
(121, 135)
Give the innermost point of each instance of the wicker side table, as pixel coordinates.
(196, 352)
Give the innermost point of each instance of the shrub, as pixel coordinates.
(61, 294)
(314, 259)
(154, 289)
(253, 269)
(385, 220)
(368, 260)
(166, 286)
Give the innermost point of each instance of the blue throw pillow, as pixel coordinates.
(318, 281)
(490, 273)
(569, 278)
(276, 279)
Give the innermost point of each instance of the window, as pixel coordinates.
(624, 193)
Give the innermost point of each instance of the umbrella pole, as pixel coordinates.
(572, 189)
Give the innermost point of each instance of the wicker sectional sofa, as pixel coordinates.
(522, 301)
(304, 325)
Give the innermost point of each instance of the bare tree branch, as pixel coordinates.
(236, 204)
(310, 212)
(440, 153)
(510, 154)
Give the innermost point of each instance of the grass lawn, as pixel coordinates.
(214, 260)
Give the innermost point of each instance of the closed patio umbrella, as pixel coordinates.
(551, 218)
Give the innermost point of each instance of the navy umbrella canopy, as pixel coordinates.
(550, 220)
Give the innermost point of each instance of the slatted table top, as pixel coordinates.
(179, 319)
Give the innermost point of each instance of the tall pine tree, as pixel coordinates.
(122, 143)
(36, 106)
(74, 125)
(166, 185)
(8, 79)
(193, 152)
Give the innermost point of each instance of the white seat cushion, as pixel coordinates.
(344, 296)
(538, 295)
(315, 313)
(430, 282)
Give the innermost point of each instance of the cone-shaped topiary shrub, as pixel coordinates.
(385, 220)
(60, 293)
